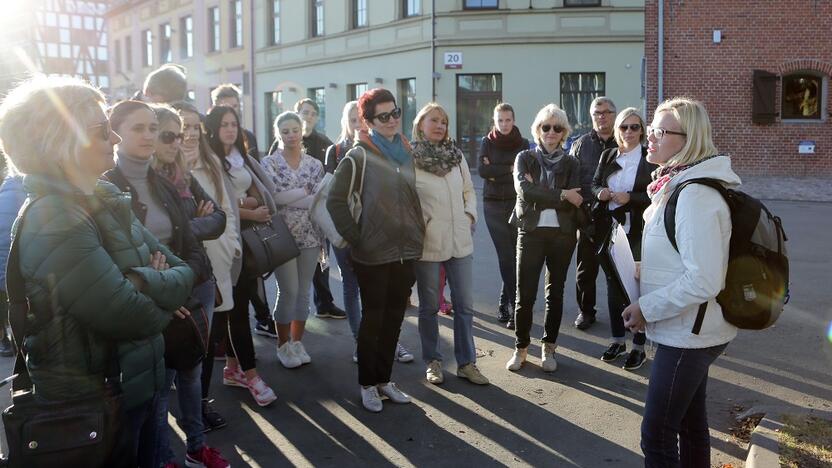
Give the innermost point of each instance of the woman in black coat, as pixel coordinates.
(620, 190)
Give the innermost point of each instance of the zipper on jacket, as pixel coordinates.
(401, 210)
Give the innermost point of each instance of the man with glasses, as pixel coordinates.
(588, 149)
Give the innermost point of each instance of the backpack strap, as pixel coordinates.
(670, 229)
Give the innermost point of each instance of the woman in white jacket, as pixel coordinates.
(449, 207)
(675, 283)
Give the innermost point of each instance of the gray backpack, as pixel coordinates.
(757, 281)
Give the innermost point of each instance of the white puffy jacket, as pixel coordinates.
(674, 284)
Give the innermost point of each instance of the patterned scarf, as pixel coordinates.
(438, 159)
(664, 174)
(175, 175)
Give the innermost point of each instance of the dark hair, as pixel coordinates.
(167, 82)
(212, 127)
(121, 110)
(307, 101)
(225, 90)
(369, 100)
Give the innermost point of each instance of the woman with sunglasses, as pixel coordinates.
(548, 183)
(251, 190)
(206, 168)
(113, 287)
(159, 204)
(620, 188)
(384, 242)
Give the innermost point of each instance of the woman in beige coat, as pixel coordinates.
(449, 207)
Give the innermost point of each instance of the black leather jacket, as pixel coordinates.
(391, 227)
(532, 197)
(588, 149)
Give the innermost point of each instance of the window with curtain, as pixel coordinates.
(186, 34)
(274, 31)
(577, 90)
(214, 29)
(411, 8)
(236, 36)
(359, 14)
(317, 16)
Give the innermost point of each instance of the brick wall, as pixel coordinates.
(779, 37)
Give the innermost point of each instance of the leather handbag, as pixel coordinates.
(186, 339)
(40, 433)
(267, 245)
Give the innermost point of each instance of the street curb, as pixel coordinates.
(764, 449)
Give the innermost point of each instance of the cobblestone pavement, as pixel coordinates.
(816, 189)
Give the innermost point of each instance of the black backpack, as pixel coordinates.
(757, 281)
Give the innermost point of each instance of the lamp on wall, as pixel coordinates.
(378, 80)
(333, 85)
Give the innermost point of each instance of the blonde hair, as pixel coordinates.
(58, 110)
(165, 114)
(693, 120)
(619, 120)
(548, 112)
(417, 122)
(346, 132)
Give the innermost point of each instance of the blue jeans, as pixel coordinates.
(674, 431)
(504, 236)
(459, 272)
(143, 433)
(352, 303)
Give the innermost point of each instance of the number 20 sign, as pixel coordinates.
(453, 60)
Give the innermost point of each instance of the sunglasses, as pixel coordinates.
(384, 117)
(105, 130)
(632, 127)
(556, 128)
(168, 137)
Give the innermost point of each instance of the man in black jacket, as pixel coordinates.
(588, 149)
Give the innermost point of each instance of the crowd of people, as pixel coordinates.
(132, 247)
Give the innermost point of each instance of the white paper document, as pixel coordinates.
(623, 262)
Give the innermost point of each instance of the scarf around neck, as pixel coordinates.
(549, 163)
(176, 176)
(664, 174)
(395, 150)
(506, 142)
(438, 159)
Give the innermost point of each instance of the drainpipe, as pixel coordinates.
(433, 50)
(660, 77)
(251, 79)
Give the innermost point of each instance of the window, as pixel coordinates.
(274, 107)
(317, 26)
(319, 96)
(407, 101)
(117, 46)
(236, 7)
(359, 14)
(213, 29)
(165, 55)
(480, 4)
(577, 90)
(411, 8)
(476, 96)
(275, 25)
(803, 96)
(147, 50)
(355, 90)
(581, 3)
(128, 53)
(186, 35)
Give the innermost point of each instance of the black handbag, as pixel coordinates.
(267, 245)
(186, 339)
(39, 433)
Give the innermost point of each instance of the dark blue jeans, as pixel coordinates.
(674, 432)
(143, 431)
(504, 236)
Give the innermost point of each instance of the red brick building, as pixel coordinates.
(761, 68)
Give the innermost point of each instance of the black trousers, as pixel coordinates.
(384, 292)
(542, 246)
(321, 293)
(617, 300)
(261, 305)
(504, 236)
(240, 345)
(586, 274)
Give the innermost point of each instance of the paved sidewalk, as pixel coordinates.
(815, 189)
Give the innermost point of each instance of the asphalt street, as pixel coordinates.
(587, 413)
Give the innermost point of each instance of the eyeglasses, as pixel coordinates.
(659, 133)
(384, 117)
(631, 127)
(556, 128)
(168, 137)
(602, 113)
(105, 131)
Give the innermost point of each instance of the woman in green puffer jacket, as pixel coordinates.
(98, 283)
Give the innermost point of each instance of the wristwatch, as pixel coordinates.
(562, 195)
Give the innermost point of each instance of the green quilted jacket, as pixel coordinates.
(74, 252)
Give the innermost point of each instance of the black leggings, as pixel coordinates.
(240, 345)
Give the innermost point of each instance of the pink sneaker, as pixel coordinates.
(206, 457)
(234, 377)
(261, 392)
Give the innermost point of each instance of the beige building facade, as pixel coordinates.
(467, 55)
(210, 38)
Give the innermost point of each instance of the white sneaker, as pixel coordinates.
(300, 352)
(547, 358)
(370, 399)
(391, 391)
(355, 355)
(402, 354)
(517, 359)
(433, 374)
(287, 357)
